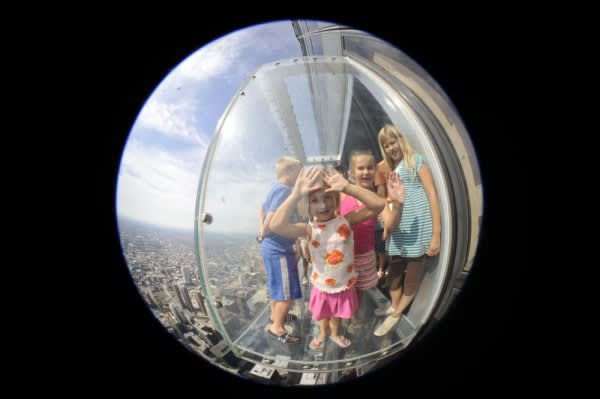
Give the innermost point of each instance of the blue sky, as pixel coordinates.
(162, 160)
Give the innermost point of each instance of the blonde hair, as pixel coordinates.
(286, 164)
(391, 132)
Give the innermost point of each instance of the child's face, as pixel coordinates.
(322, 205)
(363, 170)
(392, 148)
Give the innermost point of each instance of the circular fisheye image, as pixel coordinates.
(299, 203)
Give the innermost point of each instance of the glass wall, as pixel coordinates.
(319, 108)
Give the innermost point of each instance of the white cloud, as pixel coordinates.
(235, 53)
(159, 174)
(157, 187)
(177, 106)
(175, 119)
(214, 59)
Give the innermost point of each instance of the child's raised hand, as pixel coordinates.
(307, 181)
(395, 187)
(335, 180)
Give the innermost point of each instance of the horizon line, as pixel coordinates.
(123, 218)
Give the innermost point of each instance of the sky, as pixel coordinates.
(163, 158)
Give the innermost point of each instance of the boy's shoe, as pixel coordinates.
(384, 311)
(286, 337)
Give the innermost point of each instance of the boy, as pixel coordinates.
(278, 254)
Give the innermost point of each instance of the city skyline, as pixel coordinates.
(164, 269)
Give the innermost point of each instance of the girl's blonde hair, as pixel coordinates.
(390, 132)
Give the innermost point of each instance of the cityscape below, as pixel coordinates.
(163, 265)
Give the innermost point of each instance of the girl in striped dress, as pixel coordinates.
(417, 234)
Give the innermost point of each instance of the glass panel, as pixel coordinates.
(317, 108)
(313, 109)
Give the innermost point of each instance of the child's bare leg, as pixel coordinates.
(335, 323)
(341, 341)
(408, 290)
(280, 310)
(318, 340)
(324, 327)
(396, 296)
(396, 279)
(402, 304)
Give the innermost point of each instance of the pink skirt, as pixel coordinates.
(366, 266)
(342, 304)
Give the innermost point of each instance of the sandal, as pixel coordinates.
(316, 342)
(288, 317)
(286, 337)
(340, 341)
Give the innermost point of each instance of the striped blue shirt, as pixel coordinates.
(412, 237)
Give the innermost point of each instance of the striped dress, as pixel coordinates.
(412, 237)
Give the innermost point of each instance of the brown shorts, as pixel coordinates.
(405, 273)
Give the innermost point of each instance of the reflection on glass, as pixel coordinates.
(316, 109)
(319, 106)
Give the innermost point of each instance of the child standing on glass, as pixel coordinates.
(331, 244)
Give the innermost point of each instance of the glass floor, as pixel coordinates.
(257, 345)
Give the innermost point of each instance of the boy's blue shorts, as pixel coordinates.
(282, 276)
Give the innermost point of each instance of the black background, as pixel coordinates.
(487, 344)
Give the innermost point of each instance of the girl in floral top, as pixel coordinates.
(331, 245)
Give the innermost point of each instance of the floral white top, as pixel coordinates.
(331, 250)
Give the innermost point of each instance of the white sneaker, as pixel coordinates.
(304, 280)
(384, 311)
(387, 325)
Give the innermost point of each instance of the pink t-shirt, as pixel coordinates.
(364, 233)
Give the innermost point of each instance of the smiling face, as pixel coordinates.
(322, 205)
(362, 169)
(392, 148)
